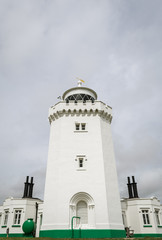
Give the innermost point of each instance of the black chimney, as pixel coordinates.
(134, 184)
(129, 188)
(26, 187)
(31, 188)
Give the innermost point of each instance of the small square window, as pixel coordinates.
(83, 126)
(80, 162)
(77, 126)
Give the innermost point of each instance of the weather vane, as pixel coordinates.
(80, 81)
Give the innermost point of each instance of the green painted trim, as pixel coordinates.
(13, 235)
(17, 235)
(16, 225)
(159, 226)
(3, 226)
(3, 235)
(147, 225)
(141, 235)
(83, 233)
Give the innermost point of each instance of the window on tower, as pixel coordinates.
(81, 127)
(80, 162)
(77, 126)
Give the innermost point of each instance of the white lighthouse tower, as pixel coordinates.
(81, 191)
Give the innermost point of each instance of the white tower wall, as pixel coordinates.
(95, 182)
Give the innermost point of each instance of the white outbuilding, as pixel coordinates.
(15, 211)
(141, 216)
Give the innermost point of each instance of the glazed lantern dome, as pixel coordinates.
(79, 94)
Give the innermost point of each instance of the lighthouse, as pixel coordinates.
(81, 196)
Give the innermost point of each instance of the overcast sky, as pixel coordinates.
(116, 47)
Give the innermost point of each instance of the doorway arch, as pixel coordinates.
(82, 205)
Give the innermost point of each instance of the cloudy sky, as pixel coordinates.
(116, 47)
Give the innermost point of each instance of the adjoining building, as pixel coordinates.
(81, 197)
(141, 216)
(15, 211)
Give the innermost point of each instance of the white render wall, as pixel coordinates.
(39, 218)
(112, 191)
(64, 179)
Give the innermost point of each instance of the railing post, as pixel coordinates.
(72, 230)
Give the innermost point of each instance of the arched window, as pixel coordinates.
(82, 212)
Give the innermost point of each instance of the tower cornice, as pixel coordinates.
(80, 109)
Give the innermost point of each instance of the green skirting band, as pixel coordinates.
(142, 235)
(83, 233)
(13, 235)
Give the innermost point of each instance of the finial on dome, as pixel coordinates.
(80, 81)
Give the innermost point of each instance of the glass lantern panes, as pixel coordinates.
(79, 97)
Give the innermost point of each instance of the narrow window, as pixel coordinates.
(83, 126)
(6, 217)
(41, 218)
(0, 218)
(80, 162)
(77, 126)
(17, 217)
(157, 217)
(145, 216)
